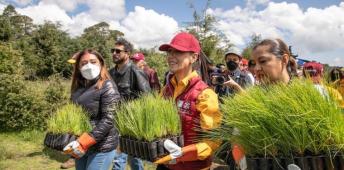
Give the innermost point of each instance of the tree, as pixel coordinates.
(52, 47)
(6, 27)
(214, 44)
(13, 25)
(21, 106)
(101, 38)
(255, 39)
(157, 61)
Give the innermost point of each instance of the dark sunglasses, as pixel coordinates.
(113, 50)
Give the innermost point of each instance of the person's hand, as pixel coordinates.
(78, 148)
(177, 154)
(231, 83)
(293, 167)
(174, 150)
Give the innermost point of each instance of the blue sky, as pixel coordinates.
(180, 10)
(315, 28)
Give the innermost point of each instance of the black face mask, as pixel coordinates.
(231, 65)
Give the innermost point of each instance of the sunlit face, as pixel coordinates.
(89, 58)
(140, 64)
(119, 55)
(269, 68)
(179, 61)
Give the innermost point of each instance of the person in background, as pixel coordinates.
(336, 74)
(197, 106)
(235, 79)
(93, 89)
(131, 82)
(315, 72)
(139, 60)
(250, 71)
(243, 64)
(337, 79)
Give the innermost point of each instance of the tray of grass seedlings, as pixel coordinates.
(144, 124)
(282, 124)
(65, 125)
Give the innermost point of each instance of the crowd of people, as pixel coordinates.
(197, 96)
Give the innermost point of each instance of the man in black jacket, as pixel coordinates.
(131, 82)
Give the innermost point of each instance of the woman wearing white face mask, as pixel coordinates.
(93, 89)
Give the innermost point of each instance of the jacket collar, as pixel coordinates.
(185, 81)
(235, 73)
(124, 69)
(90, 83)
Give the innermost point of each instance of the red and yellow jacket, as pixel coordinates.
(198, 107)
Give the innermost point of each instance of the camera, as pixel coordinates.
(218, 76)
(218, 79)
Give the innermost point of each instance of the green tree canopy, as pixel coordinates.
(101, 38)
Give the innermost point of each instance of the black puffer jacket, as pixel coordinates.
(130, 80)
(100, 104)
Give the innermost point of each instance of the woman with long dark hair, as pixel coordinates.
(93, 89)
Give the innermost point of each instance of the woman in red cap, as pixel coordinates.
(197, 106)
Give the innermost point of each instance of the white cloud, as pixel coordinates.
(107, 9)
(253, 3)
(310, 31)
(43, 12)
(2, 7)
(79, 23)
(147, 28)
(68, 5)
(56, 10)
(100, 9)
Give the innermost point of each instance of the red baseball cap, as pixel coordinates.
(244, 62)
(313, 68)
(183, 42)
(138, 57)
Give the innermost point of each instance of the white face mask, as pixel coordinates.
(90, 71)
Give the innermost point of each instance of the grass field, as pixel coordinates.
(25, 151)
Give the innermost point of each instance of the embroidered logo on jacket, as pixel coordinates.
(184, 106)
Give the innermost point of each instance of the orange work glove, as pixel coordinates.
(79, 147)
(178, 154)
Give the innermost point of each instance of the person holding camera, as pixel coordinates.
(233, 79)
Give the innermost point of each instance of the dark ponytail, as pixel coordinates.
(204, 61)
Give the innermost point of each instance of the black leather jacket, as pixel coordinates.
(130, 80)
(100, 104)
